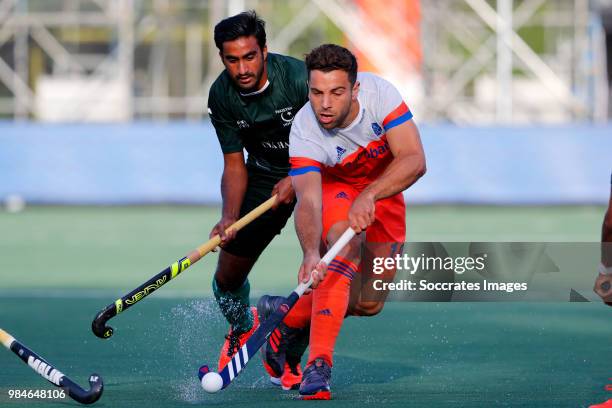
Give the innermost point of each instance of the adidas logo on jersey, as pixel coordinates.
(324, 312)
(340, 152)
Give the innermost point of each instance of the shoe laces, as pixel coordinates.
(321, 368)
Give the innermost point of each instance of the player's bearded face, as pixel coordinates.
(333, 98)
(245, 63)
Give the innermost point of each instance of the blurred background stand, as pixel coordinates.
(468, 62)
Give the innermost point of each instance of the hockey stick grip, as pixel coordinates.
(328, 257)
(6, 339)
(238, 225)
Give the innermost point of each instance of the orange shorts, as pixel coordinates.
(390, 213)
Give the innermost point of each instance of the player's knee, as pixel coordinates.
(224, 283)
(232, 271)
(352, 249)
(365, 309)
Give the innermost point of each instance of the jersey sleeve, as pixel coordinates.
(392, 110)
(225, 127)
(296, 79)
(305, 153)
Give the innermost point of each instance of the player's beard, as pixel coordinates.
(258, 75)
(339, 118)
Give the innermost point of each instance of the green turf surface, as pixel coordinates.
(60, 265)
(117, 248)
(417, 355)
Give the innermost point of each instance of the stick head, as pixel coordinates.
(211, 380)
(97, 386)
(80, 395)
(203, 371)
(99, 327)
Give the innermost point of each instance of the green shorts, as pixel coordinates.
(251, 240)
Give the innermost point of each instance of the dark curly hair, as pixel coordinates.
(330, 57)
(244, 24)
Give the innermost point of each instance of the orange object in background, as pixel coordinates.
(398, 21)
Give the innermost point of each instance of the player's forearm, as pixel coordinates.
(308, 224)
(401, 173)
(233, 187)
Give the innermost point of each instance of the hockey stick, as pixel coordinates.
(52, 374)
(215, 381)
(98, 325)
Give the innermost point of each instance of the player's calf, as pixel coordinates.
(365, 309)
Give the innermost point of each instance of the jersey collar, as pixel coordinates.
(357, 118)
(268, 84)
(257, 92)
(336, 131)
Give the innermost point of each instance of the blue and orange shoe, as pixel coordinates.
(235, 340)
(283, 367)
(273, 351)
(316, 380)
(292, 377)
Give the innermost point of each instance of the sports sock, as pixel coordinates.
(329, 305)
(235, 306)
(296, 349)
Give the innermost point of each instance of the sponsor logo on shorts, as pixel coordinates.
(242, 124)
(45, 370)
(342, 194)
(324, 312)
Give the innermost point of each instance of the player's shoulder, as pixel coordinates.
(221, 89)
(370, 82)
(286, 63)
(305, 122)
(378, 95)
(305, 115)
(288, 69)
